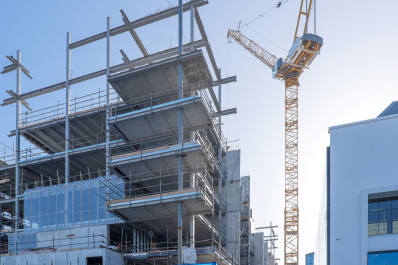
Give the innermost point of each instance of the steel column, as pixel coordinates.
(107, 111)
(67, 108)
(67, 129)
(219, 160)
(180, 129)
(192, 184)
(17, 142)
(192, 25)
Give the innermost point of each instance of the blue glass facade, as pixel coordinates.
(309, 259)
(389, 258)
(44, 208)
(383, 216)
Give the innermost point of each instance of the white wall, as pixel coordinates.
(363, 160)
(77, 257)
(320, 256)
(232, 194)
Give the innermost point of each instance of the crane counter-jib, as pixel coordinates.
(301, 55)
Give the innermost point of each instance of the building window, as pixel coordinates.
(386, 258)
(309, 259)
(383, 216)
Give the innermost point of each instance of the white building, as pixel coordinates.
(359, 213)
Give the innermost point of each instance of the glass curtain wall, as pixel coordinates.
(44, 207)
(388, 258)
(383, 216)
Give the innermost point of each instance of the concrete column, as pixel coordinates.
(17, 143)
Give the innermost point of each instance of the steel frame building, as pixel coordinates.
(137, 173)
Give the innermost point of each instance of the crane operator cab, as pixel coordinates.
(301, 55)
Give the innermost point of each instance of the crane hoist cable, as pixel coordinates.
(262, 14)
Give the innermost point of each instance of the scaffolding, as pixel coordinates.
(96, 158)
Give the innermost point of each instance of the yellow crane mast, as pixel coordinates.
(302, 53)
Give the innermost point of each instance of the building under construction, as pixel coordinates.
(136, 173)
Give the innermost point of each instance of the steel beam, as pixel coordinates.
(225, 81)
(114, 69)
(224, 113)
(18, 64)
(211, 57)
(124, 57)
(133, 33)
(208, 48)
(141, 22)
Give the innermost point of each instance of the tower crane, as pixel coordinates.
(300, 56)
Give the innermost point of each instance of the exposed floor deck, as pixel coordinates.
(161, 76)
(161, 119)
(86, 128)
(162, 205)
(156, 158)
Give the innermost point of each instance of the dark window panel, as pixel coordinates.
(373, 217)
(395, 204)
(373, 206)
(395, 214)
(385, 204)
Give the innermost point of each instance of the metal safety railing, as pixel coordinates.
(146, 146)
(77, 105)
(163, 181)
(7, 154)
(30, 152)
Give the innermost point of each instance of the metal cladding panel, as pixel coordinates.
(276, 67)
(293, 49)
(312, 37)
(392, 109)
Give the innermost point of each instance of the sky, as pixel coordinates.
(352, 79)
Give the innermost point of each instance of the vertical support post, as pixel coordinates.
(67, 129)
(67, 108)
(180, 129)
(18, 144)
(192, 25)
(192, 180)
(134, 249)
(107, 111)
(219, 159)
(192, 217)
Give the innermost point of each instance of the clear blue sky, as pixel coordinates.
(353, 78)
